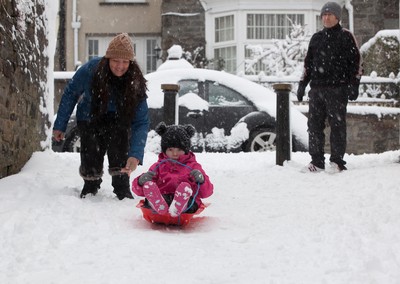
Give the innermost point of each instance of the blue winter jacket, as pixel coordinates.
(78, 93)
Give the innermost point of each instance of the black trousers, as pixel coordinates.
(327, 103)
(103, 138)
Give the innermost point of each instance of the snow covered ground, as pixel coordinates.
(264, 224)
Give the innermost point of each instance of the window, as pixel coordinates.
(93, 48)
(151, 56)
(216, 94)
(191, 86)
(224, 29)
(220, 95)
(256, 67)
(271, 26)
(225, 59)
(142, 46)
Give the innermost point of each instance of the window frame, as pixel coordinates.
(229, 55)
(269, 26)
(223, 32)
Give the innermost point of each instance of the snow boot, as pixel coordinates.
(121, 186)
(181, 199)
(90, 186)
(154, 198)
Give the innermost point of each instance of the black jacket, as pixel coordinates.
(333, 59)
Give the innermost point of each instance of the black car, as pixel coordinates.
(229, 113)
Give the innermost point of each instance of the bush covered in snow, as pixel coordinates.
(381, 53)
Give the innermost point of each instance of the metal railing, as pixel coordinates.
(374, 90)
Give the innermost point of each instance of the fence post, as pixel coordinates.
(171, 107)
(283, 137)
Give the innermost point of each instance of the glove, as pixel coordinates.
(351, 91)
(300, 91)
(197, 175)
(146, 177)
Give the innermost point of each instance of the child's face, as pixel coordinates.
(174, 153)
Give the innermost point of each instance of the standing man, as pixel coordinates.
(112, 116)
(333, 68)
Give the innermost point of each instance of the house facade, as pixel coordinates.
(87, 27)
(210, 30)
(231, 25)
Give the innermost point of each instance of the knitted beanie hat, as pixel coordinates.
(120, 47)
(333, 8)
(175, 136)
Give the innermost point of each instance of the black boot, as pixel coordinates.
(121, 186)
(91, 186)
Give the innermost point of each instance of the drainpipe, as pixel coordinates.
(76, 24)
(349, 8)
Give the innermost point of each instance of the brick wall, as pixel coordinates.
(22, 85)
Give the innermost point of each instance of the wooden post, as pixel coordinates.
(283, 135)
(171, 107)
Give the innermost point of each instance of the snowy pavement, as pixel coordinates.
(264, 224)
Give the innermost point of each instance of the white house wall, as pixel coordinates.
(103, 21)
(240, 8)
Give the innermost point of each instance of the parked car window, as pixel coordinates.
(192, 86)
(220, 95)
(188, 86)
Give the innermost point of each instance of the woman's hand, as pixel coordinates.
(58, 135)
(130, 166)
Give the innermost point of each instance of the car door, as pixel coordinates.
(226, 107)
(194, 113)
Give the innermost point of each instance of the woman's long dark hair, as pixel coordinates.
(130, 89)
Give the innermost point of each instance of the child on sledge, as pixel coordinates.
(176, 183)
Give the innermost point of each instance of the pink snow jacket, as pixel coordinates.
(170, 173)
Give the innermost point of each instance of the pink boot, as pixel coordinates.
(181, 199)
(154, 197)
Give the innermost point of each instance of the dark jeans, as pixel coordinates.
(170, 197)
(327, 103)
(97, 140)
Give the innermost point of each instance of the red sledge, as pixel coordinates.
(181, 220)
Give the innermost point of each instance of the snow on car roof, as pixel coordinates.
(263, 98)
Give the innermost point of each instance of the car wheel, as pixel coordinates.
(73, 142)
(261, 141)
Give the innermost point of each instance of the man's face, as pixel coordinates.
(119, 66)
(329, 20)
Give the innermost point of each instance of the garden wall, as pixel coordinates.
(370, 133)
(23, 66)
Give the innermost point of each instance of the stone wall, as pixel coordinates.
(368, 133)
(371, 16)
(183, 23)
(372, 134)
(23, 66)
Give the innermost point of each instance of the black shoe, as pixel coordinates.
(121, 186)
(123, 194)
(90, 187)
